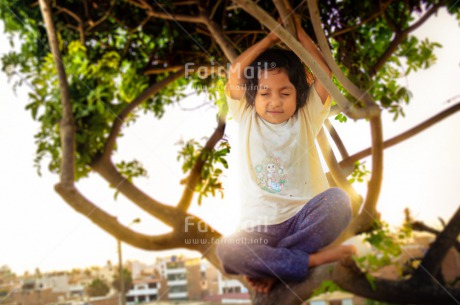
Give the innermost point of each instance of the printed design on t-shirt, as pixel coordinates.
(271, 175)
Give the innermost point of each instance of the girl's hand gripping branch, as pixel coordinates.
(311, 47)
(236, 80)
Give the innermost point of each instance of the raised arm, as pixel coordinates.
(236, 81)
(311, 47)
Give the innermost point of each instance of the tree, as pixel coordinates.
(107, 66)
(127, 278)
(97, 288)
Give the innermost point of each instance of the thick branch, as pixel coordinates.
(394, 44)
(294, 45)
(351, 279)
(119, 120)
(186, 225)
(195, 174)
(337, 140)
(218, 34)
(360, 95)
(375, 182)
(284, 9)
(165, 213)
(422, 227)
(348, 163)
(369, 212)
(348, 276)
(337, 173)
(186, 231)
(433, 258)
(110, 224)
(364, 221)
(67, 128)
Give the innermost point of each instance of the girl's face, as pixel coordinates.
(275, 101)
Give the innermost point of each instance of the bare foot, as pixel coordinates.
(332, 254)
(261, 285)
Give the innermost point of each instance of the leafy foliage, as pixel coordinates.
(326, 287)
(127, 278)
(111, 57)
(360, 173)
(214, 162)
(97, 288)
(386, 248)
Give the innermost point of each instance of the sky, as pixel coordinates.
(38, 229)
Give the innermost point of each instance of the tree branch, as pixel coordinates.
(400, 36)
(162, 70)
(424, 18)
(422, 227)
(165, 213)
(174, 17)
(347, 107)
(350, 278)
(433, 258)
(119, 120)
(195, 174)
(337, 140)
(110, 224)
(380, 11)
(67, 128)
(360, 95)
(336, 171)
(81, 28)
(217, 34)
(348, 163)
(364, 221)
(187, 225)
(375, 183)
(93, 24)
(284, 9)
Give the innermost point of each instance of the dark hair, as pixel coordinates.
(272, 59)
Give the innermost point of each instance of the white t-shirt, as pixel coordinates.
(280, 167)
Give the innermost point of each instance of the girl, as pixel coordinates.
(288, 212)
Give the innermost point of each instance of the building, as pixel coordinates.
(228, 285)
(176, 276)
(186, 278)
(32, 296)
(143, 291)
(210, 281)
(58, 282)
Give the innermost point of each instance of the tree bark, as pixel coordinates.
(67, 127)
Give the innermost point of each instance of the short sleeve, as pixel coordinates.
(236, 108)
(316, 111)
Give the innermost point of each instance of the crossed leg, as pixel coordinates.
(294, 245)
(322, 257)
